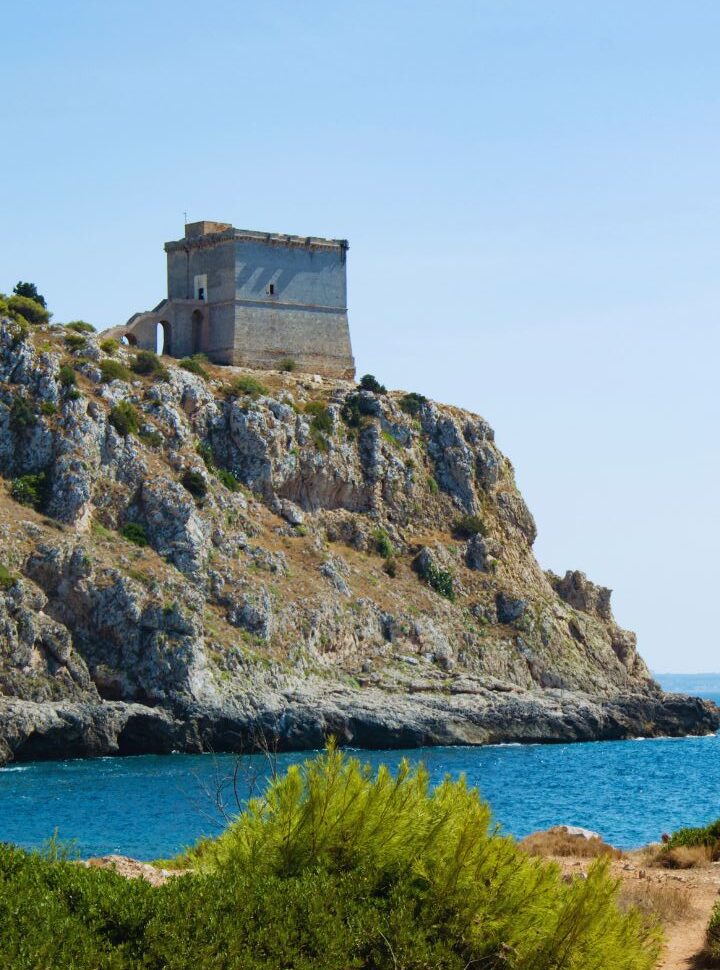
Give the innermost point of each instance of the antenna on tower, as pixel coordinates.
(185, 216)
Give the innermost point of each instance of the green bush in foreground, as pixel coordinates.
(332, 869)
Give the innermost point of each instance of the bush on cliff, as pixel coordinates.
(31, 490)
(707, 836)
(28, 309)
(124, 418)
(333, 868)
(147, 362)
(114, 370)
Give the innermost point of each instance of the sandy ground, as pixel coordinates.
(685, 928)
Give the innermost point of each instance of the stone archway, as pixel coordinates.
(163, 333)
(198, 328)
(129, 339)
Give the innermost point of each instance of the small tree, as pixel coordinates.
(370, 383)
(31, 292)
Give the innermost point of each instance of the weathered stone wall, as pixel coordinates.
(317, 341)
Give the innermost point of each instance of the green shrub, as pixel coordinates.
(370, 383)
(383, 545)
(147, 362)
(135, 533)
(195, 365)
(322, 421)
(22, 414)
(31, 490)
(30, 291)
(437, 578)
(708, 835)
(195, 483)
(712, 939)
(469, 525)
(288, 366)
(80, 326)
(421, 877)
(110, 346)
(67, 376)
(246, 385)
(75, 341)
(124, 418)
(204, 449)
(114, 370)
(7, 579)
(412, 403)
(229, 480)
(28, 309)
(48, 408)
(356, 410)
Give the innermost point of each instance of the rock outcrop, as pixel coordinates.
(191, 562)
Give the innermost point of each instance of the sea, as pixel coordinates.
(150, 807)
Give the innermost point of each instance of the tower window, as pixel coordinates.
(271, 289)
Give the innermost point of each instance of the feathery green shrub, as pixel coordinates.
(80, 326)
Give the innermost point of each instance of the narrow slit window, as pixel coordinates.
(272, 289)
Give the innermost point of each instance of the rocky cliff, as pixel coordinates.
(194, 558)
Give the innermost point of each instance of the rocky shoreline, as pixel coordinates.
(39, 731)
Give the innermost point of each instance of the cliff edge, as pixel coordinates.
(194, 556)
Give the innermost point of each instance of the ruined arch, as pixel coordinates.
(164, 338)
(198, 332)
(129, 339)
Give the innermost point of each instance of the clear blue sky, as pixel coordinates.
(530, 191)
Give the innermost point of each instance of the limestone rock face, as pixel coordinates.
(276, 554)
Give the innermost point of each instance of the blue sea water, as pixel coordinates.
(151, 806)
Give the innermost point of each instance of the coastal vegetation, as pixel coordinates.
(332, 868)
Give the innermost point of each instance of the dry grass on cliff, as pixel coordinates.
(559, 842)
(658, 901)
(679, 857)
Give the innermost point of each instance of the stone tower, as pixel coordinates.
(252, 299)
